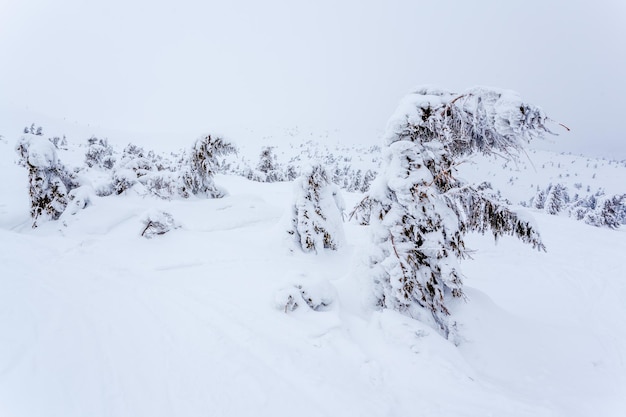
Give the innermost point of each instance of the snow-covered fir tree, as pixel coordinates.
(201, 165)
(539, 200)
(268, 165)
(556, 199)
(59, 143)
(34, 130)
(317, 212)
(420, 211)
(609, 212)
(599, 210)
(367, 180)
(49, 180)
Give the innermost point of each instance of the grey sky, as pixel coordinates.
(191, 66)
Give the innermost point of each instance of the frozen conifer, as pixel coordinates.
(539, 201)
(556, 199)
(420, 211)
(49, 181)
(268, 165)
(602, 211)
(201, 165)
(317, 222)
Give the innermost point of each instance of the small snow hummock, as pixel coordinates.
(156, 222)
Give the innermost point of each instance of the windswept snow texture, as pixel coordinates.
(97, 321)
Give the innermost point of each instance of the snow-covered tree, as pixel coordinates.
(201, 165)
(317, 212)
(608, 212)
(367, 180)
(49, 180)
(420, 211)
(600, 211)
(539, 201)
(556, 199)
(291, 172)
(268, 165)
(59, 143)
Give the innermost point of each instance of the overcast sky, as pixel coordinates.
(157, 66)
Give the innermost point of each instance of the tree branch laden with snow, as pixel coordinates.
(420, 211)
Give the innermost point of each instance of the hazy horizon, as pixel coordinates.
(192, 67)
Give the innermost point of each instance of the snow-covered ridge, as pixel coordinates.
(522, 181)
(99, 321)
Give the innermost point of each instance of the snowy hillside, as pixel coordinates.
(96, 320)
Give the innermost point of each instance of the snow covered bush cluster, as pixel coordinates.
(354, 169)
(185, 174)
(600, 210)
(103, 173)
(99, 153)
(350, 175)
(596, 209)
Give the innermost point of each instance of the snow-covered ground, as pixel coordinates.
(97, 321)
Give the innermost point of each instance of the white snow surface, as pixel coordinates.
(97, 321)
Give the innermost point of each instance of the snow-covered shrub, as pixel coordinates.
(123, 179)
(318, 296)
(600, 211)
(156, 173)
(349, 178)
(59, 143)
(288, 299)
(420, 211)
(362, 212)
(608, 213)
(79, 198)
(201, 165)
(162, 184)
(317, 212)
(157, 223)
(49, 180)
(99, 153)
(33, 130)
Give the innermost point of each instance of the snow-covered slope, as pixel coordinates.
(97, 321)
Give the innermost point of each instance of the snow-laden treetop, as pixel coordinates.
(480, 119)
(37, 151)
